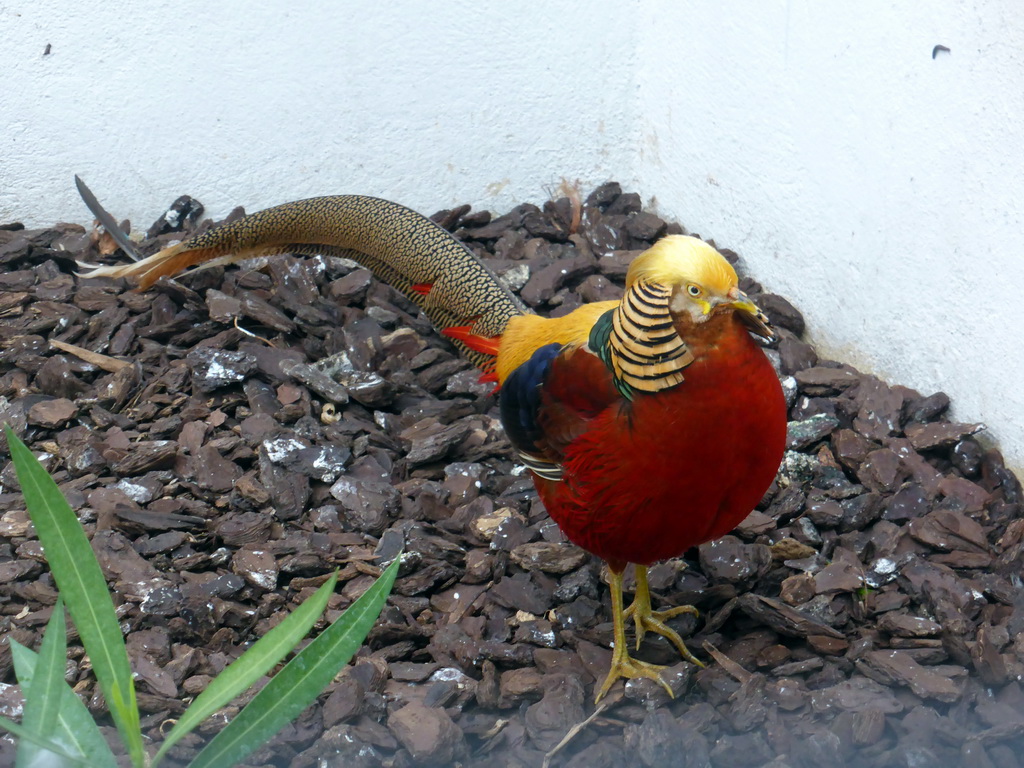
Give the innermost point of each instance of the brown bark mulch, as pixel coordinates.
(236, 435)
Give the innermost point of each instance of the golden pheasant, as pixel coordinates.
(650, 424)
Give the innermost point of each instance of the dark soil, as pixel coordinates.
(244, 432)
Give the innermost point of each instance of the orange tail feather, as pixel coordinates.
(488, 345)
(168, 262)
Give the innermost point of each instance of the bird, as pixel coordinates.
(650, 424)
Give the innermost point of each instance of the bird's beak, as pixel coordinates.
(756, 320)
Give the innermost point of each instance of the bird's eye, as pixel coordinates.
(694, 290)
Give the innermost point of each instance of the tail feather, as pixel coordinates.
(401, 247)
(169, 262)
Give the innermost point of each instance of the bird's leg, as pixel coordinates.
(623, 665)
(644, 618)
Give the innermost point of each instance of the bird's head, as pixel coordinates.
(702, 282)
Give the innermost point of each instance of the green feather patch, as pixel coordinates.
(600, 344)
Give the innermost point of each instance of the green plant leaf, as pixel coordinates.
(41, 741)
(81, 583)
(251, 665)
(42, 695)
(293, 688)
(75, 730)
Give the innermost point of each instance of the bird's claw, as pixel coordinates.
(654, 621)
(624, 665)
(645, 619)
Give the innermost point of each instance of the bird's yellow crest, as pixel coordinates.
(680, 259)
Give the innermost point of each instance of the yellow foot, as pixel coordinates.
(655, 622)
(645, 619)
(624, 665)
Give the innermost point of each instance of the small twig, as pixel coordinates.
(576, 729)
(489, 737)
(103, 362)
(268, 342)
(726, 663)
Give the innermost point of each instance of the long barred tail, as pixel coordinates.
(461, 296)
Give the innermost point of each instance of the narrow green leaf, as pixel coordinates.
(80, 581)
(42, 696)
(293, 688)
(251, 665)
(76, 730)
(23, 733)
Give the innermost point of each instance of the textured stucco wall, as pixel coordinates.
(247, 103)
(878, 187)
(882, 189)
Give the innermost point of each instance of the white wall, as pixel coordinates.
(234, 102)
(880, 189)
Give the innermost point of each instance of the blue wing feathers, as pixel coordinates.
(521, 398)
